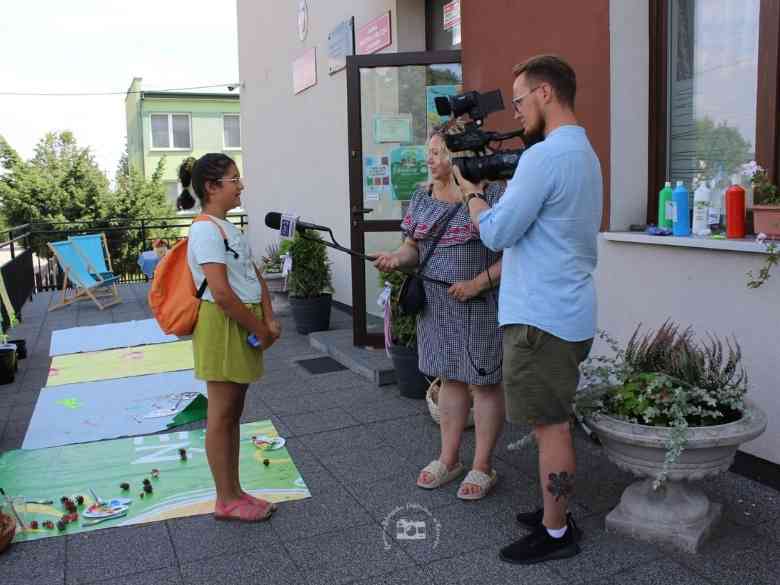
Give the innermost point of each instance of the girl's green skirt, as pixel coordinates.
(220, 349)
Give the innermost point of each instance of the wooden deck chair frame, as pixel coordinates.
(106, 259)
(77, 290)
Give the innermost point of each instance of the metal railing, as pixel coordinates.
(28, 265)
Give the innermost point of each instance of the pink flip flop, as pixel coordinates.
(243, 510)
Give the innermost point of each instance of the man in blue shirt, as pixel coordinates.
(547, 224)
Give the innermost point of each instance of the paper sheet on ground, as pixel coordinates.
(108, 336)
(120, 363)
(107, 409)
(184, 488)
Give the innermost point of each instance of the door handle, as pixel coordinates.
(360, 211)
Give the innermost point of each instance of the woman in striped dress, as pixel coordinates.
(458, 339)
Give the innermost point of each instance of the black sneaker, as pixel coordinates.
(534, 519)
(539, 547)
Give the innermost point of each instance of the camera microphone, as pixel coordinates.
(273, 219)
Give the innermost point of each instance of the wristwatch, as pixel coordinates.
(471, 196)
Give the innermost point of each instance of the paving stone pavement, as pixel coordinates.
(359, 448)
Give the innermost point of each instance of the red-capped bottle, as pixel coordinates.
(735, 212)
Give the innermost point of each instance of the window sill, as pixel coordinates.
(170, 149)
(743, 245)
(232, 149)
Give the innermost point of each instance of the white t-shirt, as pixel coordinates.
(206, 245)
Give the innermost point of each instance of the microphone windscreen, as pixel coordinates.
(273, 219)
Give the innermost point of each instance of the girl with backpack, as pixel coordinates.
(235, 304)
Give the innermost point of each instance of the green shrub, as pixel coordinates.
(310, 275)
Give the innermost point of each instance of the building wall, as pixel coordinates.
(641, 283)
(206, 129)
(502, 33)
(296, 145)
(135, 148)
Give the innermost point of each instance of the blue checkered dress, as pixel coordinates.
(455, 340)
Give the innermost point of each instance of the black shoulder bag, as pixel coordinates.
(411, 297)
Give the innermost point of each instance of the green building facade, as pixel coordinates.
(176, 125)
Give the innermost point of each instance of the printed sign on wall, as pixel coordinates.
(305, 70)
(376, 177)
(341, 42)
(393, 128)
(374, 36)
(408, 169)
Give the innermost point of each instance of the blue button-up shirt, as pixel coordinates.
(547, 223)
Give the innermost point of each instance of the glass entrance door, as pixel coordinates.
(391, 111)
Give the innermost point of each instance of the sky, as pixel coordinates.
(99, 46)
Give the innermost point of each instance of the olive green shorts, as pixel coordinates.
(220, 350)
(541, 373)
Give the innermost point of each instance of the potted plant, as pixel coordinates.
(671, 410)
(401, 340)
(309, 284)
(766, 201)
(273, 266)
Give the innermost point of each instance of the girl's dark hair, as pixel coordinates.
(193, 174)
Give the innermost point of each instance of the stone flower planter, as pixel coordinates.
(679, 513)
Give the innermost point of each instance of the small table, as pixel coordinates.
(148, 261)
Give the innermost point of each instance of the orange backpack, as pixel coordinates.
(173, 298)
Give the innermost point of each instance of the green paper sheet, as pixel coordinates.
(184, 488)
(120, 363)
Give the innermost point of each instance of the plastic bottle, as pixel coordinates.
(253, 341)
(665, 207)
(681, 226)
(701, 210)
(735, 211)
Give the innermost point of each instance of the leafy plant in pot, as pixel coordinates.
(402, 340)
(309, 284)
(766, 219)
(670, 409)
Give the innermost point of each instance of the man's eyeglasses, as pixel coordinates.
(233, 180)
(518, 101)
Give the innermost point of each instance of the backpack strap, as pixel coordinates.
(205, 217)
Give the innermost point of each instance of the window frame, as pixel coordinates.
(767, 139)
(170, 116)
(240, 141)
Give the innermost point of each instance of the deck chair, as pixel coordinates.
(82, 279)
(94, 248)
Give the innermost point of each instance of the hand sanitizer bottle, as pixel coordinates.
(701, 209)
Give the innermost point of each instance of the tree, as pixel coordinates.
(61, 183)
(719, 149)
(136, 198)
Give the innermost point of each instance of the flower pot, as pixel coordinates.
(679, 513)
(766, 220)
(411, 383)
(311, 314)
(7, 363)
(21, 348)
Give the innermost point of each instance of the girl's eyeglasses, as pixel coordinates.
(233, 180)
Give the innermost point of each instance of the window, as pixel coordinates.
(173, 189)
(231, 124)
(171, 131)
(710, 112)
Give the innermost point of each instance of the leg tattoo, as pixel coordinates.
(561, 485)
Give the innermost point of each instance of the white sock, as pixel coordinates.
(557, 532)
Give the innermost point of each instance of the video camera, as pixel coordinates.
(500, 164)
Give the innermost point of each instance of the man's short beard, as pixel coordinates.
(529, 139)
